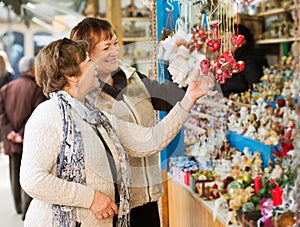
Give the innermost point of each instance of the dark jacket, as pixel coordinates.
(163, 95)
(18, 99)
(6, 79)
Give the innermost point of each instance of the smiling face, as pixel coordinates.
(105, 55)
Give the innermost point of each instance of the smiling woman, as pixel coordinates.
(74, 164)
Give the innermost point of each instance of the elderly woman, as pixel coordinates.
(73, 164)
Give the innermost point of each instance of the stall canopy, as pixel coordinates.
(57, 16)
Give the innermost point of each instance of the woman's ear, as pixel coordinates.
(72, 80)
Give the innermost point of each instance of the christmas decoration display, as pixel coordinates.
(243, 147)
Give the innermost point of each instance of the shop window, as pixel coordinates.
(40, 40)
(13, 44)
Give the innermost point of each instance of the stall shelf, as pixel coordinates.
(187, 208)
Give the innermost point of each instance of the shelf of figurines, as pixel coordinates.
(240, 149)
(237, 197)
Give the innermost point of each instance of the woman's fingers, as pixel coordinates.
(103, 206)
(105, 214)
(114, 207)
(110, 212)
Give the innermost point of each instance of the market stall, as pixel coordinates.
(245, 140)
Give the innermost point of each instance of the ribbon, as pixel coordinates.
(204, 21)
(266, 207)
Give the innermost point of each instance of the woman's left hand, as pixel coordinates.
(103, 206)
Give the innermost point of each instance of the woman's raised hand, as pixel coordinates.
(201, 85)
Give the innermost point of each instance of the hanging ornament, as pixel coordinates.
(226, 65)
(200, 32)
(223, 39)
(214, 43)
(205, 67)
(223, 67)
(237, 40)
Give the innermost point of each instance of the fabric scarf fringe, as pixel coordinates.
(72, 155)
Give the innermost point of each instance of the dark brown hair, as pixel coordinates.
(56, 60)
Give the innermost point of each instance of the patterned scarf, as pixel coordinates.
(71, 159)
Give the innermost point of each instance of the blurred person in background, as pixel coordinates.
(255, 61)
(6, 71)
(18, 99)
(131, 96)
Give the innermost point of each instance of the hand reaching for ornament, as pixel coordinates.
(200, 85)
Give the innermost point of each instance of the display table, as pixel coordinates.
(186, 208)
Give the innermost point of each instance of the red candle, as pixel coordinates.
(187, 178)
(257, 184)
(277, 196)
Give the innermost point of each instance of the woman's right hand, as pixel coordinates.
(103, 206)
(198, 86)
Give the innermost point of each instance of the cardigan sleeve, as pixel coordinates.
(141, 141)
(42, 142)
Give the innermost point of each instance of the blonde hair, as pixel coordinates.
(56, 60)
(5, 67)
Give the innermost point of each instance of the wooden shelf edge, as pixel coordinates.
(137, 19)
(275, 11)
(135, 39)
(279, 40)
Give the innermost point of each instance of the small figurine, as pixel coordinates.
(268, 170)
(256, 164)
(268, 113)
(273, 140)
(251, 127)
(276, 172)
(214, 192)
(244, 163)
(235, 170)
(262, 131)
(278, 112)
(243, 115)
(288, 110)
(260, 107)
(233, 124)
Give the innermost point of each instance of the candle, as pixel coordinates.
(187, 177)
(277, 195)
(257, 184)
